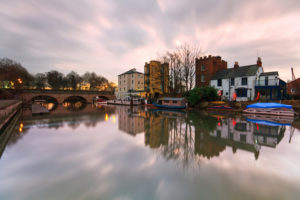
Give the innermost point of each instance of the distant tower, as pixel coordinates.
(293, 75)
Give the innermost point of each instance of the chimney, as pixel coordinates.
(259, 63)
(236, 65)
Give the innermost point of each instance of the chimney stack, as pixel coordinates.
(236, 65)
(259, 63)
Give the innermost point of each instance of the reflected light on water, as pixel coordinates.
(106, 116)
(21, 127)
(114, 119)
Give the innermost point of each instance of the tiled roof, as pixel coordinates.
(132, 71)
(249, 70)
(269, 74)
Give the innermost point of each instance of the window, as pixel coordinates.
(202, 67)
(132, 81)
(243, 138)
(218, 133)
(266, 81)
(232, 81)
(138, 82)
(174, 101)
(219, 82)
(244, 81)
(241, 92)
(202, 78)
(241, 127)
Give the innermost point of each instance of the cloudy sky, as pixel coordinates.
(110, 37)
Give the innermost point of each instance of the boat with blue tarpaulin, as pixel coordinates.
(270, 109)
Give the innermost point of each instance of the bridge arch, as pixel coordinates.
(74, 103)
(47, 101)
(102, 97)
(74, 98)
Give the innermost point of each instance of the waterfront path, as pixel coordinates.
(6, 103)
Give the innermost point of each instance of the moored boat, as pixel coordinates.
(270, 109)
(127, 101)
(170, 103)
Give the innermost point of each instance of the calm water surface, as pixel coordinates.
(122, 153)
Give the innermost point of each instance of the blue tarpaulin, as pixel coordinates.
(269, 105)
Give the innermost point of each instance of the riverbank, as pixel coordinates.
(8, 109)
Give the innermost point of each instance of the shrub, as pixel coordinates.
(203, 93)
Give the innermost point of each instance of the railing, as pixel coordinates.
(269, 82)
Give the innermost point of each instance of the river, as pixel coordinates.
(115, 152)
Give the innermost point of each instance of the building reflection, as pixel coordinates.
(248, 136)
(130, 119)
(157, 128)
(178, 135)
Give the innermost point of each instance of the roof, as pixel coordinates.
(132, 71)
(269, 74)
(248, 70)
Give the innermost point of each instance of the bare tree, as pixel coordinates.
(188, 55)
(182, 63)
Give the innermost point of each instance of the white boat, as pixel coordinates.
(127, 102)
(270, 109)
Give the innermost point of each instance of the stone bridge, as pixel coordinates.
(61, 95)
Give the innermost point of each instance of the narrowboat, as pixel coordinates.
(270, 109)
(170, 103)
(129, 101)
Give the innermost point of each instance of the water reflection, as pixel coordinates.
(182, 136)
(86, 154)
(175, 135)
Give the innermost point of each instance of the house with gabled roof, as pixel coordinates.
(239, 79)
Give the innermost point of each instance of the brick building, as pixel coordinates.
(206, 67)
(156, 78)
(293, 88)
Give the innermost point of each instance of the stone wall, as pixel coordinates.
(7, 109)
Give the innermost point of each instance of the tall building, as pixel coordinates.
(206, 67)
(130, 83)
(156, 78)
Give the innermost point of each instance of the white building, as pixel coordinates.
(130, 83)
(239, 79)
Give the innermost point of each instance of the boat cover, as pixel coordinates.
(269, 105)
(268, 123)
